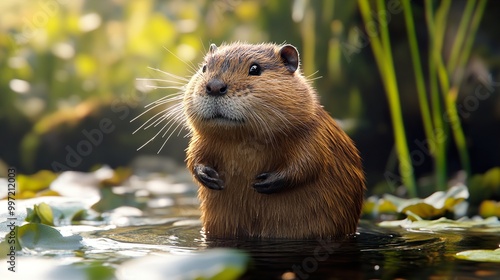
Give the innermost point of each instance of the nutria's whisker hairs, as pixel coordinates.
(311, 77)
(166, 99)
(169, 116)
(174, 115)
(162, 80)
(191, 66)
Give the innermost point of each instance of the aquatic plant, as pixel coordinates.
(437, 101)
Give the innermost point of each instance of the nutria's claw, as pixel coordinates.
(269, 183)
(208, 177)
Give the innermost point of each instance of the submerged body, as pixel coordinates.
(270, 161)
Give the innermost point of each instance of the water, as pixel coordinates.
(373, 253)
(165, 221)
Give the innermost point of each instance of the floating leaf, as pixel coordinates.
(45, 213)
(435, 205)
(480, 255)
(42, 237)
(215, 264)
(41, 213)
(110, 200)
(491, 224)
(51, 269)
(29, 185)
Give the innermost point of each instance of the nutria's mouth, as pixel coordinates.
(221, 117)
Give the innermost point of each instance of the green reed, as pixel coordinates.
(436, 95)
(383, 56)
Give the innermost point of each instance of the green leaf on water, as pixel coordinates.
(30, 185)
(491, 224)
(64, 212)
(45, 213)
(52, 269)
(41, 213)
(435, 205)
(479, 255)
(42, 237)
(214, 264)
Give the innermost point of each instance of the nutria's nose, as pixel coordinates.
(216, 87)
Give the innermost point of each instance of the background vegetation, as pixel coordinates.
(69, 71)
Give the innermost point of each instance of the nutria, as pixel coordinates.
(269, 160)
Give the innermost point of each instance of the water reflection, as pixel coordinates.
(372, 253)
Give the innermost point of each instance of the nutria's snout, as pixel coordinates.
(215, 87)
(216, 107)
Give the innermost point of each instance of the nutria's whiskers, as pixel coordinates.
(171, 115)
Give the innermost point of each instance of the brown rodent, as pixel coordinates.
(270, 161)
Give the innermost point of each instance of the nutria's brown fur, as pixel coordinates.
(270, 161)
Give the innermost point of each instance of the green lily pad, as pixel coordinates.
(42, 237)
(480, 255)
(45, 213)
(30, 185)
(51, 269)
(64, 212)
(491, 224)
(435, 205)
(214, 264)
(110, 200)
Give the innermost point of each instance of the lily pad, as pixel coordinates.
(42, 237)
(60, 215)
(491, 224)
(33, 185)
(214, 264)
(51, 269)
(41, 213)
(436, 205)
(480, 255)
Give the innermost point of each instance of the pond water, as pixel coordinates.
(373, 253)
(167, 223)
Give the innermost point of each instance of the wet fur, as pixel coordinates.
(275, 125)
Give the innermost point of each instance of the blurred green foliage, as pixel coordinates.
(67, 65)
(58, 58)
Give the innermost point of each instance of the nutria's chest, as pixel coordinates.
(240, 163)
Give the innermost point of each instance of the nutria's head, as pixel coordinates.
(249, 88)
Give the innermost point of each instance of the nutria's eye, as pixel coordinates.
(204, 68)
(254, 70)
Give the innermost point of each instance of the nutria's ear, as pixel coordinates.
(290, 57)
(213, 48)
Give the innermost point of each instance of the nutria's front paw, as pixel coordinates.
(269, 183)
(208, 177)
